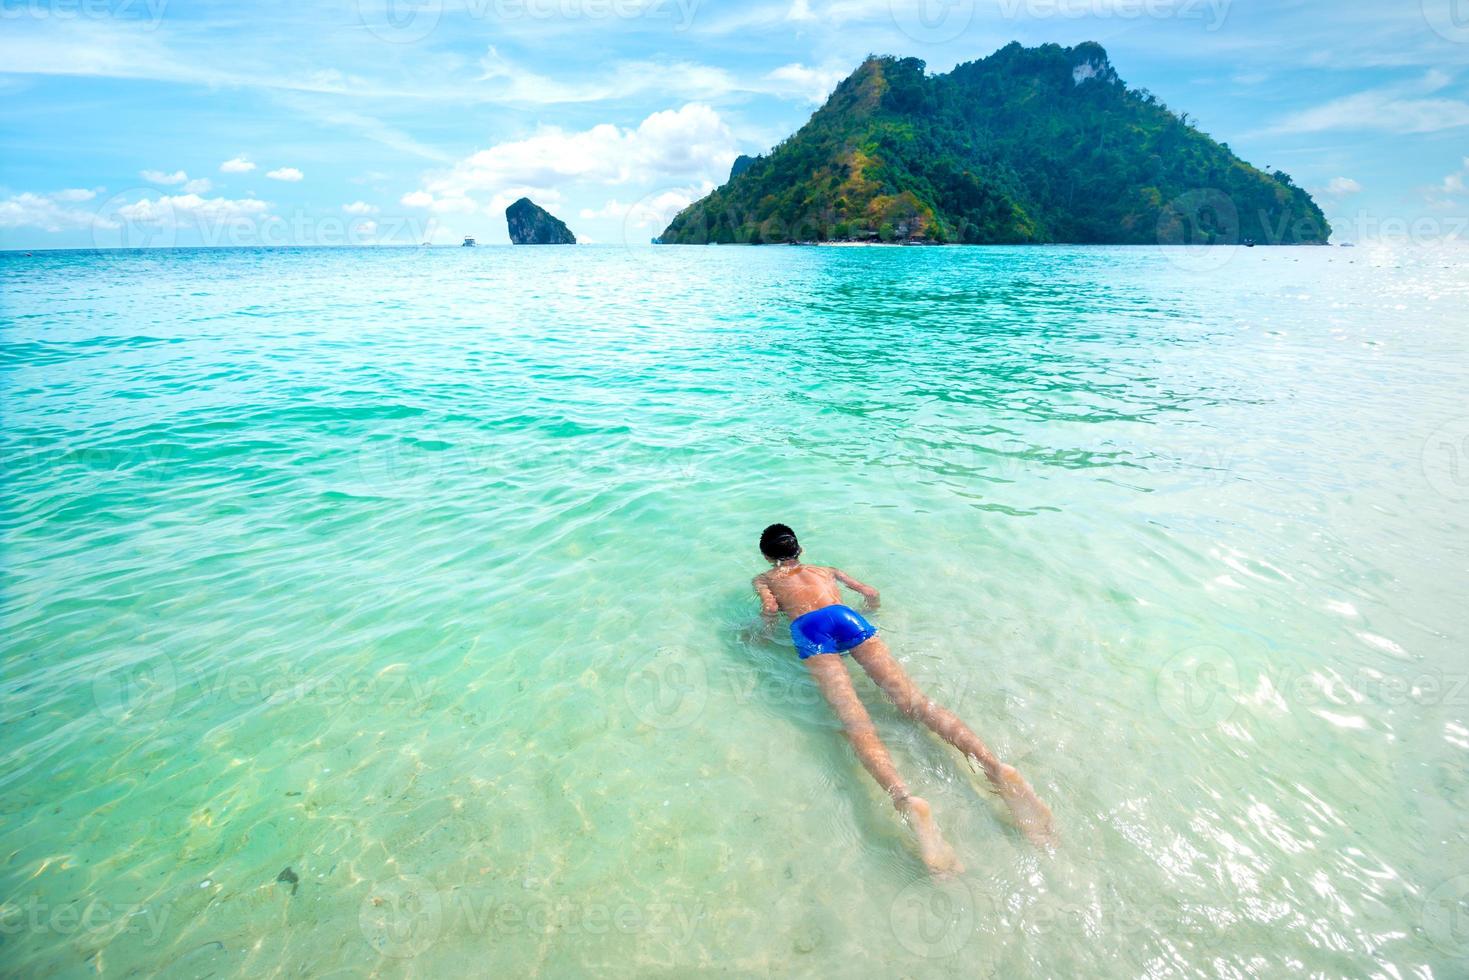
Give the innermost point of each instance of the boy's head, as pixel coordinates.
(778, 543)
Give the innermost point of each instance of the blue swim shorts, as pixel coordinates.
(833, 629)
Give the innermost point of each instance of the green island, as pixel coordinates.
(1030, 145)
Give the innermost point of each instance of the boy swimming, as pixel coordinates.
(823, 629)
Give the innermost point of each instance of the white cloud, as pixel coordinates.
(505, 81)
(449, 204)
(1341, 187)
(652, 212)
(237, 165)
(167, 179)
(800, 10)
(360, 207)
(49, 212)
(812, 84)
(181, 209)
(198, 186)
(612, 209)
(692, 142)
(546, 197)
(1402, 108)
(1454, 183)
(289, 174)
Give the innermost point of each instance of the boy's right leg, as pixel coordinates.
(831, 676)
(1031, 814)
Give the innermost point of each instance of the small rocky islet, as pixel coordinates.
(531, 224)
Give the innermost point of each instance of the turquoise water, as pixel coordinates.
(424, 574)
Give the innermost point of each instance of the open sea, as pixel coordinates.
(387, 611)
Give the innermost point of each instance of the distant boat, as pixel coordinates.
(468, 242)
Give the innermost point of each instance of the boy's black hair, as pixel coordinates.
(778, 543)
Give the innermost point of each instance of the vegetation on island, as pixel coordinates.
(1029, 145)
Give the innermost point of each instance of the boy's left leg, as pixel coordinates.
(831, 677)
(1033, 816)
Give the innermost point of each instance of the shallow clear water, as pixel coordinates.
(424, 574)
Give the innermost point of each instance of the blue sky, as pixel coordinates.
(160, 122)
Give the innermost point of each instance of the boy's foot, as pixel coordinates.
(1032, 815)
(935, 851)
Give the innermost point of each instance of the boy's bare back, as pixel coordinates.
(797, 590)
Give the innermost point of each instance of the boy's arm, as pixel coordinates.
(867, 592)
(769, 608)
